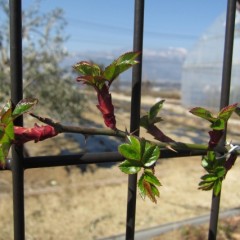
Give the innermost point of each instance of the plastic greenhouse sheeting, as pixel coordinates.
(202, 69)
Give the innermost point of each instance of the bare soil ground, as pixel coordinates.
(90, 203)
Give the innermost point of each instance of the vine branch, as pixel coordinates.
(60, 128)
(174, 146)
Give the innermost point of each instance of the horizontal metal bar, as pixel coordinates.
(65, 160)
(90, 158)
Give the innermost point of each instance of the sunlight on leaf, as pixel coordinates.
(203, 113)
(151, 155)
(24, 106)
(5, 108)
(226, 112)
(87, 68)
(130, 167)
(120, 65)
(217, 187)
(129, 152)
(219, 124)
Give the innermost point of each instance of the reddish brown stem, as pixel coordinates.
(106, 107)
(37, 133)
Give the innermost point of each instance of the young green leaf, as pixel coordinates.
(151, 178)
(143, 144)
(96, 81)
(205, 163)
(130, 166)
(213, 180)
(220, 172)
(211, 155)
(219, 124)
(154, 110)
(87, 68)
(203, 113)
(134, 142)
(147, 185)
(155, 190)
(141, 187)
(110, 72)
(5, 108)
(123, 63)
(2, 157)
(128, 58)
(206, 186)
(2, 126)
(6, 117)
(24, 106)
(209, 177)
(131, 150)
(148, 122)
(9, 131)
(149, 191)
(226, 112)
(144, 121)
(7, 136)
(6, 140)
(151, 155)
(217, 187)
(209, 161)
(6, 122)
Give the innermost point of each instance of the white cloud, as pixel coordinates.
(171, 52)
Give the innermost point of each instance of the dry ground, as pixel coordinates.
(69, 204)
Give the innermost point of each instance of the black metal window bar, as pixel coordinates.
(18, 163)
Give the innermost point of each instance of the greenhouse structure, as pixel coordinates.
(202, 69)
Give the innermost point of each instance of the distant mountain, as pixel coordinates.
(160, 66)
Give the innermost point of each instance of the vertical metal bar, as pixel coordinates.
(225, 94)
(228, 53)
(16, 95)
(135, 112)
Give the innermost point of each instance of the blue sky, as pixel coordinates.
(97, 25)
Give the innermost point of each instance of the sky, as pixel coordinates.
(106, 25)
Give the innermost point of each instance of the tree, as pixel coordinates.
(44, 74)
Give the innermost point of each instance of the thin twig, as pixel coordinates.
(174, 146)
(60, 128)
